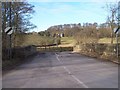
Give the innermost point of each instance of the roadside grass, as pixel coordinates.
(8, 65)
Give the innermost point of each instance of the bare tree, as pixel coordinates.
(112, 18)
(16, 15)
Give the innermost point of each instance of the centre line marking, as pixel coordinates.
(68, 71)
(80, 82)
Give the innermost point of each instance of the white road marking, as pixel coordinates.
(80, 82)
(68, 71)
(58, 58)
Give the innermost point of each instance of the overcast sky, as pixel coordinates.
(49, 13)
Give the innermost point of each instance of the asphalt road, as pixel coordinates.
(63, 70)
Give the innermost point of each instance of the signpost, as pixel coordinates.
(117, 30)
(119, 14)
(9, 31)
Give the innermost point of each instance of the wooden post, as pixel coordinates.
(118, 24)
(10, 24)
(0, 43)
(117, 49)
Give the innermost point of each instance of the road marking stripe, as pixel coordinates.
(80, 82)
(57, 57)
(68, 71)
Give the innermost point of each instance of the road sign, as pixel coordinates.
(116, 30)
(8, 30)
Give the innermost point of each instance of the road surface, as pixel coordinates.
(63, 70)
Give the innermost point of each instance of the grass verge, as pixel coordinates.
(8, 65)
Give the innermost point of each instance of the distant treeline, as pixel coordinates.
(82, 33)
(71, 29)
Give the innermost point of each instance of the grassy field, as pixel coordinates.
(67, 42)
(108, 40)
(70, 41)
(36, 40)
(42, 40)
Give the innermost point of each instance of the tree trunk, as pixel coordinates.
(112, 26)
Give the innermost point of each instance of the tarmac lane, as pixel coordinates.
(62, 70)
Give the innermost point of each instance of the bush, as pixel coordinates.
(87, 35)
(105, 51)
